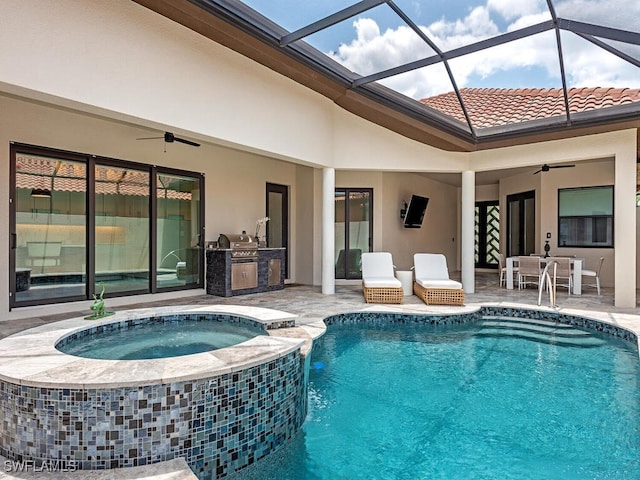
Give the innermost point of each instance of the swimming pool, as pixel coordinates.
(160, 336)
(394, 396)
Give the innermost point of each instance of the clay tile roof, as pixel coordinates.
(490, 107)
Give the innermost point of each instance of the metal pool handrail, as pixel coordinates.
(551, 284)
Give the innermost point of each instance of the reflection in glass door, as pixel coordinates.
(353, 230)
(179, 231)
(49, 229)
(121, 235)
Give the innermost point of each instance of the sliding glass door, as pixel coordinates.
(121, 229)
(179, 234)
(49, 228)
(80, 223)
(353, 230)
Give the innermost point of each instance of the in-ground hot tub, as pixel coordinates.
(220, 409)
(160, 336)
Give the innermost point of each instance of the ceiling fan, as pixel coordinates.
(170, 138)
(546, 168)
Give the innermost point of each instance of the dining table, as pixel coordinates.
(576, 272)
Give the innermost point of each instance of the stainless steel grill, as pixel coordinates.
(243, 246)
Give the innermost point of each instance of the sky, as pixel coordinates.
(378, 39)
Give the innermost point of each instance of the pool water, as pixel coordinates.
(160, 339)
(484, 400)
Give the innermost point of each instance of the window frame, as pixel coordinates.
(594, 218)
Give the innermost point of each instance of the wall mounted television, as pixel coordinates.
(415, 211)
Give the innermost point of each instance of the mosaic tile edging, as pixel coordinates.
(219, 424)
(494, 311)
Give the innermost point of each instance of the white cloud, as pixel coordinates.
(372, 51)
(514, 9)
(622, 14)
(585, 65)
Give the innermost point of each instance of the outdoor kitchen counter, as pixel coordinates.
(228, 275)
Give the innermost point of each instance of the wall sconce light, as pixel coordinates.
(41, 192)
(403, 210)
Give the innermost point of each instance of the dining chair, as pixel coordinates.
(502, 270)
(593, 274)
(562, 272)
(529, 271)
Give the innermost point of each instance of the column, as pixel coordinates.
(624, 226)
(467, 230)
(328, 231)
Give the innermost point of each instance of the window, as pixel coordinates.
(585, 217)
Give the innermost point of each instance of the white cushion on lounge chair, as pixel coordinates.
(382, 282)
(448, 284)
(432, 267)
(377, 270)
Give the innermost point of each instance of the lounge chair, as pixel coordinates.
(433, 284)
(379, 284)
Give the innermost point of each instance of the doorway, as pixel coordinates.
(278, 224)
(521, 223)
(487, 234)
(353, 230)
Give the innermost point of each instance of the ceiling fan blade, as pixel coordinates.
(188, 142)
(170, 138)
(562, 166)
(537, 171)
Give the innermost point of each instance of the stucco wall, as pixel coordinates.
(439, 229)
(546, 187)
(234, 181)
(438, 233)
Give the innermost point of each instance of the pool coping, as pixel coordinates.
(30, 358)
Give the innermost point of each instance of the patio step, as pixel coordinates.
(543, 331)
